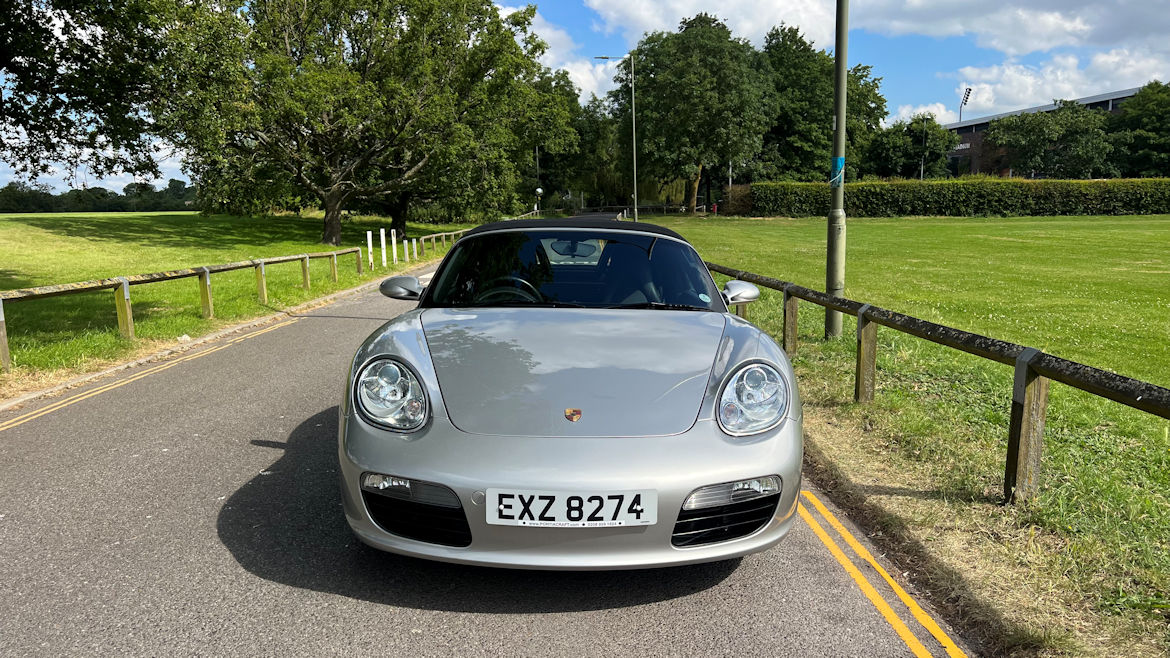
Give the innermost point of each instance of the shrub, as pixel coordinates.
(968, 197)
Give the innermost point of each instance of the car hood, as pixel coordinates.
(520, 372)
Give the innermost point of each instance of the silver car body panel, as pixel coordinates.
(692, 451)
(514, 371)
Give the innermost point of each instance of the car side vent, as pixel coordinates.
(710, 525)
(421, 521)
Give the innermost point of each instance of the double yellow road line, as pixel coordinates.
(85, 395)
(887, 611)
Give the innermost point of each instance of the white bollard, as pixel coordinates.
(405, 250)
(414, 246)
(394, 245)
(382, 237)
(370, 246)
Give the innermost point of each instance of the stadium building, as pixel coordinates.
(969, 157)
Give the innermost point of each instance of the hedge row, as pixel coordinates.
(978, 197)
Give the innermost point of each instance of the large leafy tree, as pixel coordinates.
(76, 79)
(910, 149)
(704, 98)
(799, 142)
(1068, 142)
(1142, 132)
(352, 100)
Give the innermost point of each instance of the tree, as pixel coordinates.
(799, 142)
(76, 79)
(704, 99)
(1068, 142)
(1141, 132)
(354, 100)
(910, 149)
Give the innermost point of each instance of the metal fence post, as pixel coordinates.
(790, 309)
(333, 266)
(125, 310)
(1026, 434)
(863, 384)
(261, 283)
(205, 292)
(305, 270)
(5, 355)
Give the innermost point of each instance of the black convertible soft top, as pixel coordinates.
(592, 222)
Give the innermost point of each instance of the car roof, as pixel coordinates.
(574, 222)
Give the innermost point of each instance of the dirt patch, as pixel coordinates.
(999, 583)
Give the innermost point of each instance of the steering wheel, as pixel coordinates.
(495, 290)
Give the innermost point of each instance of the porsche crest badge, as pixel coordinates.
(573, 415)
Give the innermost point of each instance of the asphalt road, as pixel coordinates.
(191, 507)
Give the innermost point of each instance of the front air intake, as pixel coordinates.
(710, 525)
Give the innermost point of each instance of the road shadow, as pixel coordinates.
(286, 525)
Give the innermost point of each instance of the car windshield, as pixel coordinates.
(574, 268)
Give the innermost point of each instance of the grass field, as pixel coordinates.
(1091, 289)
(75, 333)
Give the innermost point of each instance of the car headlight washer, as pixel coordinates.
(754, 399)
(389, 394)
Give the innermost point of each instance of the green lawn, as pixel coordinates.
(1091, 289)
(76, 332)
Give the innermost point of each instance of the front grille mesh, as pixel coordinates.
(724, 522)
(433, 524)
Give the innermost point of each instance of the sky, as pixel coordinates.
(1012, 53)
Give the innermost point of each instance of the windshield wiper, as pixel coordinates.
(544, 304)
(664, 305)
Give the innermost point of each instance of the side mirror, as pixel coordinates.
(403, 287)
(740, 292)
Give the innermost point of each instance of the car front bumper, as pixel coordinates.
(468, 464)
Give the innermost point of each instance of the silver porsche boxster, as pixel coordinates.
(570, 394)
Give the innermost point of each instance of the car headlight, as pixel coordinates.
(753, 400)
(389, 394)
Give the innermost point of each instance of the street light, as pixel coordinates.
(539, 192)
(633, 124)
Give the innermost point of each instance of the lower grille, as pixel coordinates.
(433, 524)
(725, 522)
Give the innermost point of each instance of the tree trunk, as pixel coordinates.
(693, 191)
(397, 205)
(331, 228)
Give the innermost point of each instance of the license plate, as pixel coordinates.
(571, 509)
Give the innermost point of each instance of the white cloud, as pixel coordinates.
(591, 76)
(940, 112)
(747, 18)
(1013, 86)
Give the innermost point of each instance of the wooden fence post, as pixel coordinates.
(790, 309)
(261, 283)
(333, 266)
(5, 355)
(305, 270)
(866, 357)
(358, 254)
(423, 246)
(125, 310)
(1026, 434)
(205, 292)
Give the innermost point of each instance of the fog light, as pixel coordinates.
(732, 492)
(393, 486)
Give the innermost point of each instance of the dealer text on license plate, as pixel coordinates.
(571, 509)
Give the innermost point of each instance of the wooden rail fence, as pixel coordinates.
(121, 285)
(1033, 370)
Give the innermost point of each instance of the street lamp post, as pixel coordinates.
(633, 125)
(835, 244)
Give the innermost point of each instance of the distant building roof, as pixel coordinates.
(1088, 100)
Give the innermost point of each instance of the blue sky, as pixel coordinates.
(1013, 53)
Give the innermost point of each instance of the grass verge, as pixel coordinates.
(57, 338)
(1084, 570)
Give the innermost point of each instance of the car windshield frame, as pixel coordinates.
(696, 292)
